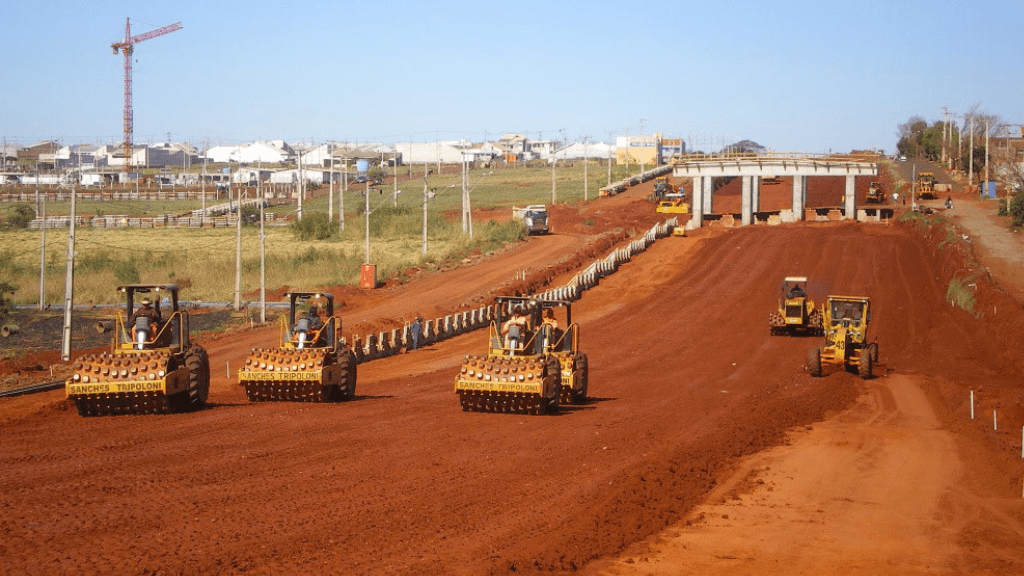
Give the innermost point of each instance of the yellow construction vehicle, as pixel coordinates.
(673, 204)
(671, 199)
(875, 193)
(926, 186)
(846, 337)
(662, 188)
(313, 362)
(152, 367)
(796, 312)
(532, 364)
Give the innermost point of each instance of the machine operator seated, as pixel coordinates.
(515, 330)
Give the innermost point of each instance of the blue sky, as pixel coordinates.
(792, 76)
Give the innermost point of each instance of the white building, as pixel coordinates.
(265, 152)
(579, 150)
(429, 152)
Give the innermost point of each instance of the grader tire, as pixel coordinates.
(874, 353)
(814, 362)
(864, 368)
(198, 364)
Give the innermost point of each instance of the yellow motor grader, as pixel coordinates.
(313, 362)
(796, 312)
(532, 363)
(152, 367)
(846, 337)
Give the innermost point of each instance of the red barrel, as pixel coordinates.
(368, 276)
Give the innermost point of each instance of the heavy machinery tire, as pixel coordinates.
(874, 352)
(553, 370)
(814, 362)
(198, 365)
(816, 323)
(346, 389)
(579, 396)
(864, 363)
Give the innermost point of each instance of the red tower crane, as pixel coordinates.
(127, 47)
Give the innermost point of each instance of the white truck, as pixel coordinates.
(534, 216)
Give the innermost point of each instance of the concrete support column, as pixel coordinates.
(697, 209)
(799, 196)
(851, 198)
(747, 201)
(755, 194)
(709, 192)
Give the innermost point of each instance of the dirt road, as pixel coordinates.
(883, 488)
(686, 383)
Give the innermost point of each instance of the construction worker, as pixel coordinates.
(146, 310)
(514, 329)
(313, 315)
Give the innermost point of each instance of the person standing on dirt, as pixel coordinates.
(414, 333)
(949, 202)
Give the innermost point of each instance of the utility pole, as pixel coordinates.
(986, 153)
(42, 252)
(367, 195)
(970, 155)
(330, 196)
(341, 199)
(424, 209)
(302, 188)
(263, 266)
(395, 193)
(945, 125)
(465, 198)
(586, 159)
(69, 283)
(610, 140)
(553, 196)
(238, 247)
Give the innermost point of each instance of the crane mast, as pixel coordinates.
(127, 47)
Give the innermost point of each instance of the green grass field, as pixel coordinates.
(202, 261)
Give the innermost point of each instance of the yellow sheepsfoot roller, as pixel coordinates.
(312, 364)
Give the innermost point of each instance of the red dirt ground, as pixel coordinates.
(686, 385)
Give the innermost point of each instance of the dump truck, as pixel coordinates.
(313, 362)
(796, 312)
(875, 193)
(846, 338)
(153, 365)
(532, 365)
(534, 217)
(926, 186)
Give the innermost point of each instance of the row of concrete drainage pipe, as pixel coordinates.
(390, 342)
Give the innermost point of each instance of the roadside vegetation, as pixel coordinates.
(313, 253)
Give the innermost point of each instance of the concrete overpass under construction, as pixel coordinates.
(752, 169)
